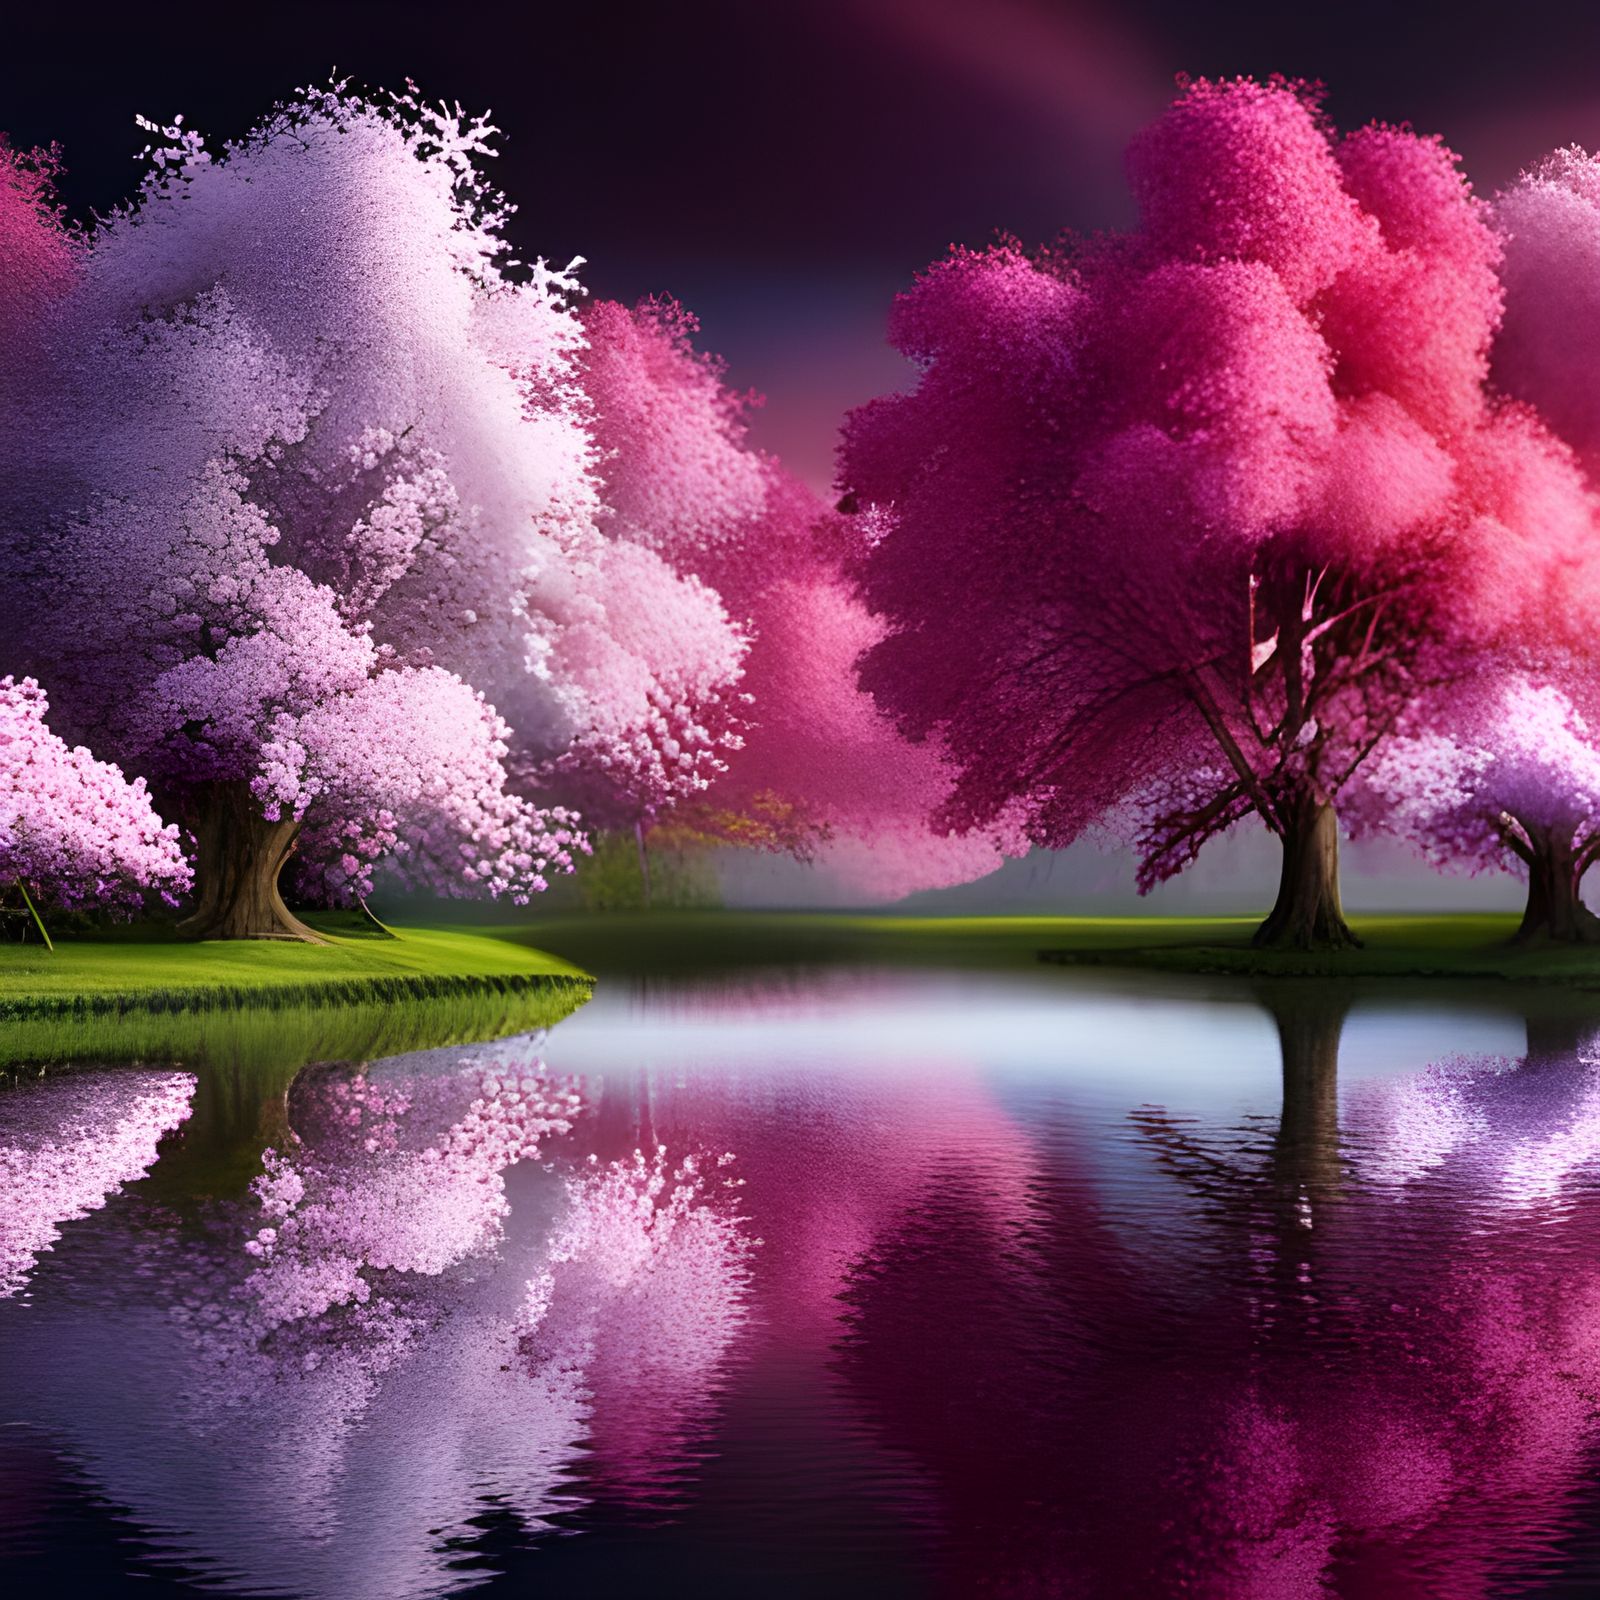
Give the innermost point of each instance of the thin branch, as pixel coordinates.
(1375, 598)
(1208, 709)
(1516, 842)
(33, 912)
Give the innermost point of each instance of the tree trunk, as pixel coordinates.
(1559, 1024)
(1307, 915)
(239, 857)
(240, 1108)
(1555, 914)
(1306, 1174)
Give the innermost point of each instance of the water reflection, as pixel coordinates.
(317, 1385)
(66, 1146)
(889, 1285)
(1370, 1370)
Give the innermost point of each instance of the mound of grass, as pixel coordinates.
(146, 971)
(285, 1032)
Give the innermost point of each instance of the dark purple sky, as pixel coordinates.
(785, 167)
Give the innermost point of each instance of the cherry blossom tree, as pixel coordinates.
(801, 759)
(36, 249)
(1166, 532)
(310, 474)
(1504, 774)
(74, 833)
(1550, 337)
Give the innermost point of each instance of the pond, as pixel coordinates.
(848, 1281)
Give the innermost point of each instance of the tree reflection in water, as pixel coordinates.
(68, 1144)
(1376, 1376)
(318, 1387)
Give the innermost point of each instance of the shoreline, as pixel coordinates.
(141, 973)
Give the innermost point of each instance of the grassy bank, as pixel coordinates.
(143, 970)
(1460, 946)
(285, 1032)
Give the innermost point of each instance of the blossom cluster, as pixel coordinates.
(407, 770)
(1510, 763)
(682, 483)
(73, 831)
(306, 498)
(396, 1173)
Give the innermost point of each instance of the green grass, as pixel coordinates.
(682, 942)
(1461, 946)
(144, 995)
(138, 963)
(279, 1030)
(1457, 945)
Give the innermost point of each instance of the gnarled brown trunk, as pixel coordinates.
(1307, 914)
(1555, 913)
(238, 859)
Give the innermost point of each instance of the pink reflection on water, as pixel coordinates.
(1369, 1393)
(389, 1172)
(318, 1390)
(68, 1141)
(1070, 1350)
(841, 1158)
(644, 1291)
(1521, 1128)
(836, 1147)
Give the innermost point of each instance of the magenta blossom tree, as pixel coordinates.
(36, 250)
(801, 759)
(74, 833)
(1550, 339)
(1166, 532)
(308, 488)
(1501, 769)
(1504, 774)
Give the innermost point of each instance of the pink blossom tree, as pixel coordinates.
(267, 432)
(320, 548)
(1164, 536)
(803, 760)
(74, 833)
(1550, 337)
(37, 251)
(1503, 774)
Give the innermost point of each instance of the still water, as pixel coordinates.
(850, 1283)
